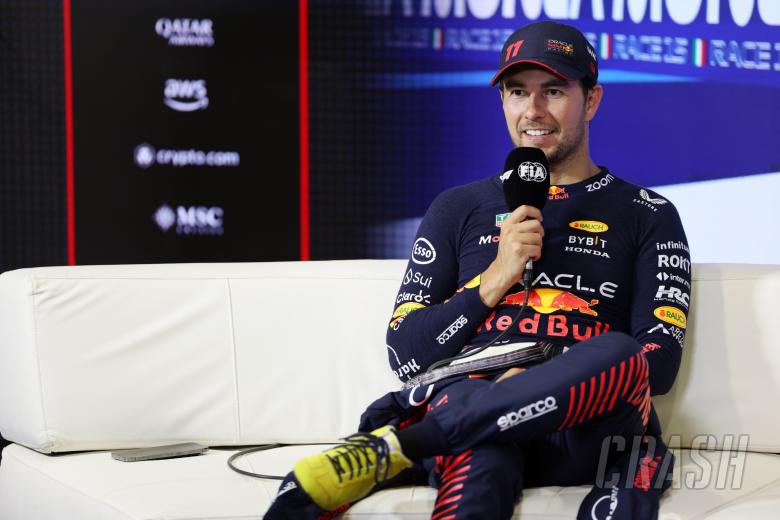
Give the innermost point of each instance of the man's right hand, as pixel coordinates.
(521, 240)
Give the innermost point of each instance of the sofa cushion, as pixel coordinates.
(104, 357)
(93, 485)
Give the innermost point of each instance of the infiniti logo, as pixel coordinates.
(185, 95)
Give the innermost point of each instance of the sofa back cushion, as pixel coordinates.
(105, 357)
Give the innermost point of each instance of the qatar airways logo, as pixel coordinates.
(186, 32)
(680, 12)
(185, 95)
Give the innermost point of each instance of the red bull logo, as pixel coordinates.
(546, 301)
(557, 193)
(554, 325)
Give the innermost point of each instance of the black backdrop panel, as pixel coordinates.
(186, 135)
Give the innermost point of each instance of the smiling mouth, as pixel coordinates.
(537, 133)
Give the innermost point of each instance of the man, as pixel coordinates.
(611, 283)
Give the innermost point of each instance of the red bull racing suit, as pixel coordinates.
(613, 283)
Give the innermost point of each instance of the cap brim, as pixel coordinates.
(563, 71)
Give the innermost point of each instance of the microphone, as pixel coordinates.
(526, 181)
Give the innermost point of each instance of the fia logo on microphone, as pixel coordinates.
(532, 171)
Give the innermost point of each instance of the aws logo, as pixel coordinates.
(671, 315)
(591, 226)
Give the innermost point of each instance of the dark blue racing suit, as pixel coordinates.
(613, 284)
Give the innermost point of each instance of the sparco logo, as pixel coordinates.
(145, 155)
(184, 95)
(423, 252)
(532, 171)
(185, 32)
(452, 329)
(526, 413)
(190, 220)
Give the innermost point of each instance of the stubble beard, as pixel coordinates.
(567, 149)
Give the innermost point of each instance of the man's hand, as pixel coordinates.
(521, 239)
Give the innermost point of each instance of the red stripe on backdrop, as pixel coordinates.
(70, 204)
(303, 114)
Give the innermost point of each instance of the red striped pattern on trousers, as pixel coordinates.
(600, 393)
(454, 471)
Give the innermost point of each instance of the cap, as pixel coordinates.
(561, 49)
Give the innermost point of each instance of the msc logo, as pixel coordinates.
(191, 220)
(671, 315)
(186, 32)
(591, 226)
(185, 95)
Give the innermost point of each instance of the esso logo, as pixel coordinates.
(423, 252)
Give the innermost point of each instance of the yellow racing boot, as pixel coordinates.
(349, 471)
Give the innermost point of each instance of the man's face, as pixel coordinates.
(545, 111)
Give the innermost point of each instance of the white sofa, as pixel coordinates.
(96, 358)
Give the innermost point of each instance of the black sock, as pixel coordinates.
(422, 440)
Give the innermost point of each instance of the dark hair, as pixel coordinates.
(585, 84)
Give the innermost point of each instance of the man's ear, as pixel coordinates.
(593, 101)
